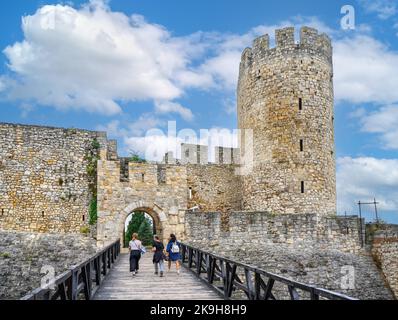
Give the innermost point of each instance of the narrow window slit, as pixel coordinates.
(302, 187)
(190, 193)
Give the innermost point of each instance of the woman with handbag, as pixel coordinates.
(174, 252)
(136, 249)
(158, 256)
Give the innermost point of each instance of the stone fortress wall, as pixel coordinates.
(159, 190)
(244, 229)
(385, 253)
(280, 214)
(309, 248)
(44, 184)
(26, 258)
(43, 177)
(163, 191)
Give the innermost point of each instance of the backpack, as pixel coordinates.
(175, 248)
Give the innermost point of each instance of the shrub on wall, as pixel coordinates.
(136, 158)
(93, 211)
(92, 158)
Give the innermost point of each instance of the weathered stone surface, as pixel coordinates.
(23, 255)
(44, 186)
(311, 249)
(214, 187)
(274, 84)
(385, 252)
(337, 233)
(142, 190)
(285, 98)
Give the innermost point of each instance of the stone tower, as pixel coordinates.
(285, 95)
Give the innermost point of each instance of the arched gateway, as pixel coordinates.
(159, 218)
(160, 191)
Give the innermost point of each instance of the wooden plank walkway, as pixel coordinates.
(121, 285)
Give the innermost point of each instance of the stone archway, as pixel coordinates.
(158, 230)
(164, 200)
(111, 224)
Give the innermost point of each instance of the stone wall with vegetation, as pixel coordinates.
(385, 253)
(25, 258)
(47, 177)
(308, 248)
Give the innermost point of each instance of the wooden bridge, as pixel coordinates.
(204, 276)
(120, 285)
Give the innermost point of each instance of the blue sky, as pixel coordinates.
(126, 66)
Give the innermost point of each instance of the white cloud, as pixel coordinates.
(384, 9)
(366, 71)
(363, 179)
(91, 58)
(223, 67)
(173, 107)
(2, 84)
(26, 109)
(113, 129)
(153, 146)
(144, 123)
(230, 106)
(139, 127)
(384, 122)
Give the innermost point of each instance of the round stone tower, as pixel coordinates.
(285, 113)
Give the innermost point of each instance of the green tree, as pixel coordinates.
(142, 225)
(133, 226)
(145, 232)
(136, 158)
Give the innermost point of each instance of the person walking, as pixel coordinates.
(135, 248)
(174, 252)
(158, 256)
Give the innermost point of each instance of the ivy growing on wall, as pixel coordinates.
(92, 157)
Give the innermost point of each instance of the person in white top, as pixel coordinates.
(135, 247)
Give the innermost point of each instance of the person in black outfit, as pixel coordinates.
(158, 256)
(135, 247)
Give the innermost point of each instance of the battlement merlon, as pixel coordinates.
(310, 41)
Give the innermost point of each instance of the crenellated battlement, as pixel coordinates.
(285, 96)
(310, 41)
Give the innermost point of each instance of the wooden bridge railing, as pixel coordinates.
(229, 277)
(83, 278)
